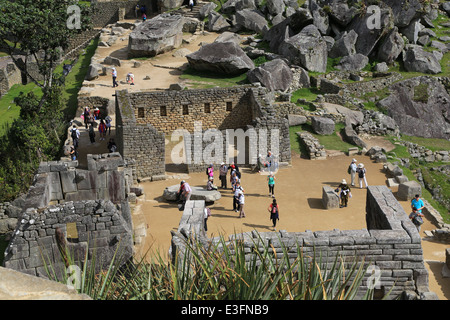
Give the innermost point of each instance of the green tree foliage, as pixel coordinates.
(32, 138)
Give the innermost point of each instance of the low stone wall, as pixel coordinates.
(315, 150)
(391, 243)
(9, 75)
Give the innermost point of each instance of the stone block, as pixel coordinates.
(392, 183)
(330, 199)
(322, 125)
(68, 181)
(407, 190)
(296, 120)
(55, 186)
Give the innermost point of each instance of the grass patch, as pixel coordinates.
(9, 111)
(429, 143)
(421, 93)
(74, 80)
(204, 80)
(330, 142)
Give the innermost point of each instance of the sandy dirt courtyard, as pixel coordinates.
(298, 188)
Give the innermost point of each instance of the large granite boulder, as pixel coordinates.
(391, 46)
(354, 62)
(198, 193)
(405, 11)
(320, 18)
(221, 57)
(368, 32)
(340, 12)
(252, 20)
(322, 125)
(155, 36)
(407, 190)
(275, 7)
(274, 75)
(345, 45)
(206, 9)
(417, 59)
(287, 28)
(165, 5)
(416, 103)
(307, 49)
(217, 23)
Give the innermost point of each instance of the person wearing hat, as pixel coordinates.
(223, 175)
(210, 184)
(185, 191)
(361, 175)
(344, 194)
(352, 170)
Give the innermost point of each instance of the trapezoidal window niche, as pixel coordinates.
(229, 106)
(185, 109)
(163, 111)
(141, 112)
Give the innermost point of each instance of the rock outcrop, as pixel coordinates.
(221, 57)
(155, 36)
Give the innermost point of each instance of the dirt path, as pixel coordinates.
(298, 189)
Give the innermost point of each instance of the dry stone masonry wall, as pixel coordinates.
(391, 243)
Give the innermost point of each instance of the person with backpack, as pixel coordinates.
(362, 175)
(271, 180)
(416, 218)
(75, 134)
(210, 171)
(108, 121)
(344, 194)
(274, 210)
(352, 171)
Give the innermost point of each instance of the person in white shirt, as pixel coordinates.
(241, 204)
(114, 77)
(236, 189)
(353, 171)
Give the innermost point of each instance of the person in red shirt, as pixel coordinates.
(102, 129)
(274, 212)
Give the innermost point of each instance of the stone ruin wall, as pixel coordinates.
(138, 112)
(90, 208)
(391, 242)
(141, 145)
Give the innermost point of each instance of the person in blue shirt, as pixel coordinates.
(417, 204)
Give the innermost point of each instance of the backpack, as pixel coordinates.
(361, 173)
(74, 134)
(274, 209)
(417, 220)
(349, 170)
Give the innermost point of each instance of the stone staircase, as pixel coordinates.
(195, 13)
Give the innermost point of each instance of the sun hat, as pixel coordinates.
(344, 181)
(353, 160)
(360, 165)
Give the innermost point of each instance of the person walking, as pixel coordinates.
(86, 115)
(75, 134)
(223, 175)
(206, 215)
(237, 190)
(108, 121)
(417, 204)
(352, 171)
(191, 4)
(102, 129)
(416, 218)
(274, 210)
(241, 201)
(136, 10)
(114, 77)
(345, 193)
(91, 133)
(210, 171)
(271, 181)
(362, 175)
